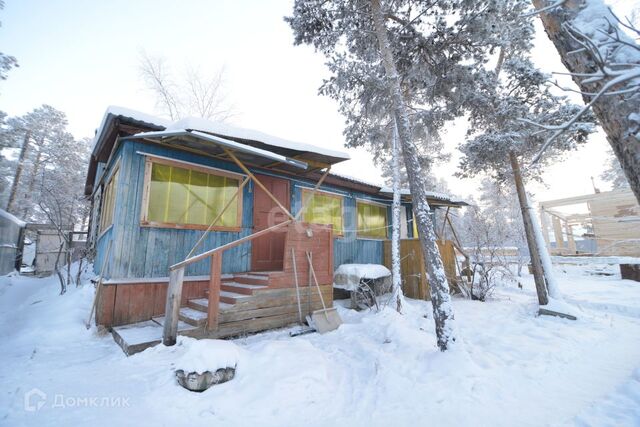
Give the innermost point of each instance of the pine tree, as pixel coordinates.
(502, 140)
(414, 62)
(604, 63)
(46, 177)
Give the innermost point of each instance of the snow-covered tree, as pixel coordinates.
(47, 174)
(613, 173)
(500, 140)
(412, 61)
(7, 62)
(603, 58)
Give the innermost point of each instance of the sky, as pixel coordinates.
(82, 56)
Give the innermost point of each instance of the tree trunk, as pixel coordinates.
(34, 172)
(440, 298)
(538, 274)
(16, 180)
(395, 224)
(617, 114)
(545, 260)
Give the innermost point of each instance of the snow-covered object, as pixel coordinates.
(114, 110)
(225, 129)
(236, 146)
(207, 355)
(222, 129)
(6, 215)
(376, 366)
(545, 258)
(348, 276)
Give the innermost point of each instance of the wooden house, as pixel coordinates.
(203, 222)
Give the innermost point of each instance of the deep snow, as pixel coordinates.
(508, 367)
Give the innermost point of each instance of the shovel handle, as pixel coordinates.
(315, 279)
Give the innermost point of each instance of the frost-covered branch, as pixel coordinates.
(612, 76)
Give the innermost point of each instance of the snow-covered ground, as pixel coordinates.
(508, 368)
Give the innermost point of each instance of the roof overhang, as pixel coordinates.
(216, 146)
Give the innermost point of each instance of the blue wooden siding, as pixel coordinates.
(148, 252)
(348, 249)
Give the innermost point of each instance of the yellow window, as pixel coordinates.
(323, 208)
(108, 201)
(372, 220)
(179, 195)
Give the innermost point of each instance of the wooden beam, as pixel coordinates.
(230, 245)
(258, 183)
(213, 308)
(310, 194)
(217, 218)
(172, 307)
(444, 222)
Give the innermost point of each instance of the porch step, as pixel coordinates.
(231, 297)
(252, 278)
(241, 288)
(139, 336)
(192, 316)
(202, 304)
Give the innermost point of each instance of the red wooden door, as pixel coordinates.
(267, 251)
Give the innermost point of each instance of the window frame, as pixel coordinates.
(107, 189)
(144, 210)
(386, 220)
(304, 194)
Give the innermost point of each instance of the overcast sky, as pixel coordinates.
(82, 56)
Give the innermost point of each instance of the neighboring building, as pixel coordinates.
(605, 223)
(11, 242)
(156, 187)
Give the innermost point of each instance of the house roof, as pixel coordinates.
(209, 136)
(121, 122)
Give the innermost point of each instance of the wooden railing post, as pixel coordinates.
(172, 308)
(214, 291)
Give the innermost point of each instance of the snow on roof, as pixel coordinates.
(432, 194)
(224, 129)
(139, 116)
(354, 179)
(225, 143)
(6, 215)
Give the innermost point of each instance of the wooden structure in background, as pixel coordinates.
(613, 216)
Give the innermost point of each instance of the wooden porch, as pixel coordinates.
(219, 306)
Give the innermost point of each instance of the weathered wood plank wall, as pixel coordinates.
(148, 252)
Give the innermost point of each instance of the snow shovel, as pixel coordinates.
(327, 319)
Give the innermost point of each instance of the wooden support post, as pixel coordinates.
(536, 263)
(217, 218)
(214, 291)
(444, 223)
(570, 239)
(172, 308)
(557, 233)
(310, 195)
(258, 183)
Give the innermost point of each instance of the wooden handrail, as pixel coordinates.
(230, 245)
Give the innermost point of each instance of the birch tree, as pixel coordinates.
(195, 94)
(604, 62)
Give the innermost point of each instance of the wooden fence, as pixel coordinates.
(414, 278)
